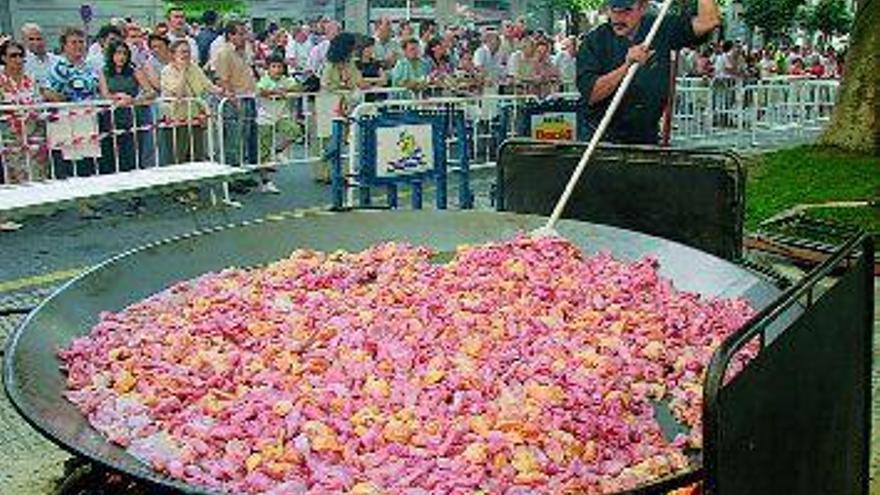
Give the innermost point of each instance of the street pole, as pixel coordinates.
(408, 10)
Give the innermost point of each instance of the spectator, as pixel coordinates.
(546, 75)
(797, 68)
(520, 66)
(341, 73)
(177, 31)
(277, 127)
(299, 47)
(405, 31)
(318, 55)
(20, 162)
(137, 42)
(767, 66)
(160, 56)
(106, 35)
(161, 29)
(566, 62)
(436, 55)
(183, 80)
(427, 32)
(817, 69)
(70, 78)
(236, 77)
(510, 41)
(489, 59)
(128, 87)
(412, 70)
(387, 49)
(38, 60)
(371, 68)
(207, 35)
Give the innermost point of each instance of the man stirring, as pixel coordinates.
(608, 51)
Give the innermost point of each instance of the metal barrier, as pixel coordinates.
(108, 149)
(749, 114)
(267, 131)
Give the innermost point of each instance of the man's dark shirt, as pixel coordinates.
(602, 51)
(206, 36)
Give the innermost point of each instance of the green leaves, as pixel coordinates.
(831, 17)
(195, 8)
(773, 17)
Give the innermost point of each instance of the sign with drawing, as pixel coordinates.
(404, 149)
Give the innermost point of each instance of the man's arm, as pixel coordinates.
(708, 18)
(607, 84)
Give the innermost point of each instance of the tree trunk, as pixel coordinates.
(855, 124)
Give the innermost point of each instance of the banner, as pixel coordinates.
(554, 126)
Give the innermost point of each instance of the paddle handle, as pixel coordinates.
(604, 123)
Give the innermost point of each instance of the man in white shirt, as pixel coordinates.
(318, 55)
(566, 62)
(489, 59)
(299, 47)
(177, 31)
(95, 57)
(386, 49)
(38, 59)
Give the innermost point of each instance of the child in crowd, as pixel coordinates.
(277, 128)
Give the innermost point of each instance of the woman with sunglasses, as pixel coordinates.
(23, 160)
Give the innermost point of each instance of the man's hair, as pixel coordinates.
(70, 32)
(174, 8)
(108, 29)
(232, 26)
(28, 27)
(157, 37)
(209, 18)
(407, 42)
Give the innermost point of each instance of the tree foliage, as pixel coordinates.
(831, 17)
(195, 8)
(773, 17)
(574, 5)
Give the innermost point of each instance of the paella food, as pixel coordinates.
(516, 367)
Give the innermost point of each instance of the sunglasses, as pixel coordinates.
(15, 55)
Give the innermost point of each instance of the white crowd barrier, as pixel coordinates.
(54, 153)
(753, 113)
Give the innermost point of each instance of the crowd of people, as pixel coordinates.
(131, 65)
(734, 60)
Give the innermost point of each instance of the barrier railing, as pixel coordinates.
(107, 148)
(750, 113)
(285, 129)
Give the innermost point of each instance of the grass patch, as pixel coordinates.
(808, 175)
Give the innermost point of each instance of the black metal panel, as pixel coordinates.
(797, 419)
(693, 197)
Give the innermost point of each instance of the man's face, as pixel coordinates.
(35, 42)
(412, 51)
(176, 20)
(383, 29)
(493, 43)
(302, 35)
(238, 37)
(158, 47)
(75, 47)
(625, 21)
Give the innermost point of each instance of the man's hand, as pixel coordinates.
(638, 54)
